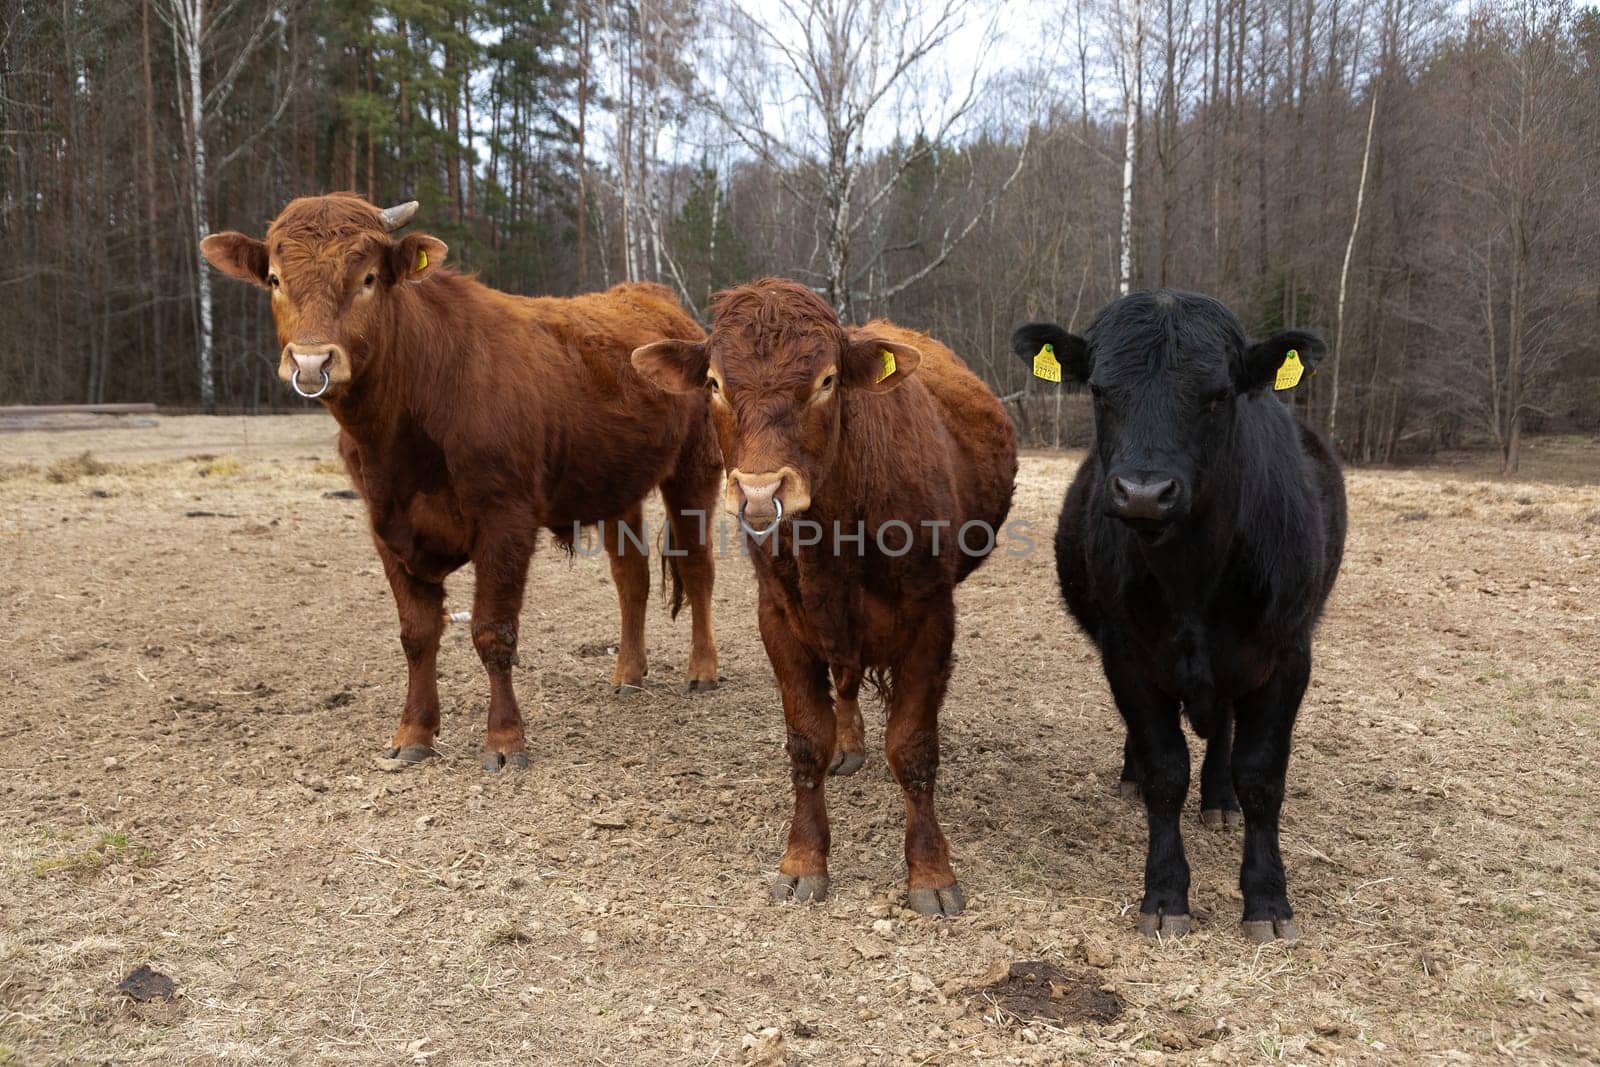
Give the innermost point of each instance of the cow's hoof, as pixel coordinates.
(945, 903)
(1128, 790)
(494, 762)
(411, 754)
(1154, 925)
(1266, 931)
(1221, 819)
(847, 763)
(627, 690)
(800, 888)
(702, 685)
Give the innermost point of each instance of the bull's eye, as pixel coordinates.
(713, 385)
(272, 280)
(1098, 393)
(1215, 404)
(827, 383)
(371, 277)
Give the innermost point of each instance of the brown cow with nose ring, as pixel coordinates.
(872, 472)
(469, 419)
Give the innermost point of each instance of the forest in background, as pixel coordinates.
(1415, 178)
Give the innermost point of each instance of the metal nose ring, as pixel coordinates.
(294, 380)
(752, 531)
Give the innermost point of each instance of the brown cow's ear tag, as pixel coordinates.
(1289, 372)
(888, 366)
(422, 261)
(1045, 364)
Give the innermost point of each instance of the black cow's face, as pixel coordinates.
(1167, 371)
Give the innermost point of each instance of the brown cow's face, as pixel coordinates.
(779, 368)
(330, 266)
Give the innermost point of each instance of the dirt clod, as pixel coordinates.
(143, 984)
(1036, 991)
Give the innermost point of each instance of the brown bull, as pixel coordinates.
(470, 419)
(857, 458)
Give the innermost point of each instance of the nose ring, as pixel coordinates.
(294, 380)
(759, 534)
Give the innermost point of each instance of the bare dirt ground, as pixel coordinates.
(200, 663)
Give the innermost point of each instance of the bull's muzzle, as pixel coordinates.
(1152, 500)
(760, 500)
(744, 520)
(294, 381)
(306, 363)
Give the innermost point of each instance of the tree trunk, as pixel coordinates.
(583, 109)
(469, 171)
(1134, 76)
(1512, 453)
(372, 142)
(188, 19)
(152, 238)
(1344, 271)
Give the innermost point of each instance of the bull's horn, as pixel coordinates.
(395, 217)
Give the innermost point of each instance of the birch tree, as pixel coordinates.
(807, 89)
(196, 26)
(1130, 42)
(1344, 271)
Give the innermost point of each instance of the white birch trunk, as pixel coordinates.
(1344, 271)
(1132, 90)
(189, 32)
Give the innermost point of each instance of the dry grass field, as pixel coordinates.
(200, 664)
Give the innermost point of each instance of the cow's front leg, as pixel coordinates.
(1162, 757)
(912, 748)
(501, 566)
(420, 604)
(802, 678)
(1260, 764)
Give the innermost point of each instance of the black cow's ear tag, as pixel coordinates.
(1045, 364)
(1289, 371)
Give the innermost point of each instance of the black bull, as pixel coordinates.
(1196, 547)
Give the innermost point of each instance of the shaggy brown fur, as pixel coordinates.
(469, 419)
(807, 417)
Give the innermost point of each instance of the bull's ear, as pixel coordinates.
(1280, 361)
(877, 364)
(415, 256)
(1051, 353)
(238, 256)
(676, 366)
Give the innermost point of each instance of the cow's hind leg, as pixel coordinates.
(628, 545)
(1219, 807)
(500, 559)
(912, 748)
(421, 607)
(1260, 763)
(690, 495)
(1128, 780)
(808, 721)
(1163, 759)
(849, 738)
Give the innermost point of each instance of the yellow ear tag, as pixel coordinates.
(888, 365)
(422, 262)
(1045, 365)
(1289, 372)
